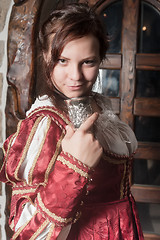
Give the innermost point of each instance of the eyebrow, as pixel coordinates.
(63, 57)
(90, 57)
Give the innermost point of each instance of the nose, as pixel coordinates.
(75, 72)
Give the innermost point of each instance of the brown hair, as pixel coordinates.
(74, 21)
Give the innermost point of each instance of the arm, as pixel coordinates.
(58, 203)
(67, 180)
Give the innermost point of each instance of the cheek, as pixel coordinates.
(55, 80)
(92, 75)
(55, 76)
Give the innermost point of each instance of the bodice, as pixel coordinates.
(110, 181)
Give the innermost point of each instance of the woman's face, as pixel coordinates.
(77, 67)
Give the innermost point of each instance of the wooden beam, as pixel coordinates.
(147, 107)
(113, 61)
(149, 236)
(129, 49)
(146, 194)
(148, 150)
(147, 61)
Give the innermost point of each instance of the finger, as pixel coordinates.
(69, 132)
(89, 122)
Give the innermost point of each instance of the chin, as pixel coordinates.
(78, 94)
(74, 95)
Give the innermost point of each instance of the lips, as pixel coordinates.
(75, 87)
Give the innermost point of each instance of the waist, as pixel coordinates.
(107, 204)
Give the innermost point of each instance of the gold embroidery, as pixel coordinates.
(73, 167)
(27, 145)
(40, 149)
(44, 224)
(50, 165)
(122, 182)
(76, 160)
(51, 109)
(49, 235)
(54, 120)
(22, 227)
(23, 184)
(23, 191)
(49, 213)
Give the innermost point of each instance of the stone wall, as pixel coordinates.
(5, 10)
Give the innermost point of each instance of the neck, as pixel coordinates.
(60, 94)
(64, 97)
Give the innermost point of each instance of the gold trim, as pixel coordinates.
(51, 214)
(29, 199)
(122, 182)
(56, 121)
(5, 162)
(9, 146)
(72, 166)
(30, 175)
(42, 227)
(76, 160)
(49, 235)
(27, 145)
(51, 110)
(24, 191)
(50, 165)
(22, 227)
(4, 152)
(12, 225)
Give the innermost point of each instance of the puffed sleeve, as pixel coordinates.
(113, 134)
(48, 184)
(57, 205)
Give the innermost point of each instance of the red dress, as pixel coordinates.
(62, 191)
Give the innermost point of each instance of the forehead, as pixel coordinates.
(83, 47)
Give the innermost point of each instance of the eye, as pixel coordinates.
(62, 61)
(89, 62)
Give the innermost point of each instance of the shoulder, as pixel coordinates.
(39, 119)
(50, 113)
(43, 108)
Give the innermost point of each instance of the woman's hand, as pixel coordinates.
(81, 143)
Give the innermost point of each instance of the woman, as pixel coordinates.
(71, 183)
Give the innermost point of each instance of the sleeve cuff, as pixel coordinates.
(60, 200)
(75, 164)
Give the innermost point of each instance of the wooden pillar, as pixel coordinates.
(21, 42)
(129, 48)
